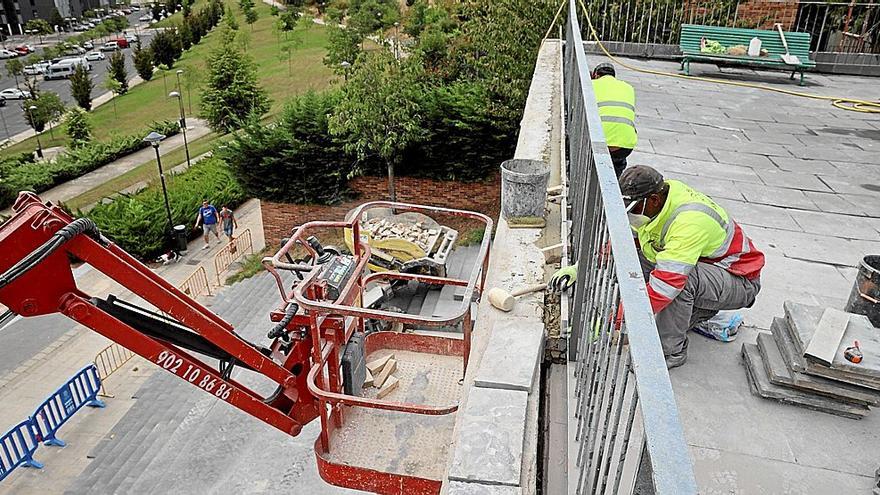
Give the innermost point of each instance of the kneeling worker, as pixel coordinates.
(617, 111)
(696, 260)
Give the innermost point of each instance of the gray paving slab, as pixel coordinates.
(804, 166)
(491, 434)
(860, 171)
(512, 357)
(836, 203)
(758, 214)
(817, 153)
(714, 188)
(792, 180)
(847, 186)
(702, 168)
(775, 196)
(848, 226)
(761, 136)
(683, 150)
(758, 162)
(762, 386)
(462, 488)
(819, 248)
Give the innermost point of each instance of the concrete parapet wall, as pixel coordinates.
(495, 442)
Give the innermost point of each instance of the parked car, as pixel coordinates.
(88, 45)
(15, 94)
(80, 28)
(93, 56)
(65, 68)
(130, 38)
(36, 69)
(74, 50)
(2, 101)
(8, 54)
(135, 8)
(145, 18)
(110, 46)
(122, 42)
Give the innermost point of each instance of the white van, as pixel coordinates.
(61, 70)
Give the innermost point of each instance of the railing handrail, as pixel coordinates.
(231, 252)
(672, 470)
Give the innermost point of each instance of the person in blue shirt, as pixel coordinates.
(208, 217)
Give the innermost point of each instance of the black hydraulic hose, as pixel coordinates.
(64, 234)
(279, 330)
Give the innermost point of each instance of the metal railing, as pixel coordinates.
(624, 425)
(835, 26)
(196, 284)
(110, 360)
(231, 252)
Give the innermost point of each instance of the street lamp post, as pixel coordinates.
(345, 64)
(396, 40)
(179, 90)
(175, 94)
(37, 134)
(154, 138)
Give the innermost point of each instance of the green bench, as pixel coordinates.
(798, 45)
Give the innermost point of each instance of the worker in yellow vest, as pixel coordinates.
(695, 259)
(617, 110)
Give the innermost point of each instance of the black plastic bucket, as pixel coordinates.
(865, 296)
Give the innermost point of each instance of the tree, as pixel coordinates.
(15, 68)
(344, 45)
(55, 18)
(380, 112)
(185, 36)
(116, 70)
(143, 63)
(112, 85)
(250, 17)
(166, 47)
(81, 86)
(232, 91)
(39, 26)
(369, 16)
(78, 127)
(231, 21)
(49, 108)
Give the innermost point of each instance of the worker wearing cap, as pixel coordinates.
(696, 260)
(617, 110)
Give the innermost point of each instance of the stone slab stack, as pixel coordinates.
(777, 368)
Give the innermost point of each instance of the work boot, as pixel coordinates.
(723, 327)
(677, 359)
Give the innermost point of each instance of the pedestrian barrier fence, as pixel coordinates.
(196, 284)
(110, 359)
(625, 432)
(80, 390)
(17, 447)
(232, 251)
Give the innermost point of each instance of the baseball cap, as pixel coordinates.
(639, 181)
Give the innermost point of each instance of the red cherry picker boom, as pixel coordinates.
(317, 352)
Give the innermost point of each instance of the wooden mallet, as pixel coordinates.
(505, 301)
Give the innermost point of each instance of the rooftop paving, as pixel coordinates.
(803, 179)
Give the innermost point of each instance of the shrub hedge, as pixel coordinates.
(22, 173)
(138, 222)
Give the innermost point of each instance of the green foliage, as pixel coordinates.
(81, 86)
(137, 222)
(166, 47)
(143, 63)
(274, 11)
(297, 160)
(369, 16)
(116, 70)
(344, 46)
(186, 40)
(49, 107)
(38, 25)
(251, 16)
(78, 127)
(55, 18)
(250, 266)
(380, 113)
(23, 174)
(14, 68)
(231, 21)
(232, 91)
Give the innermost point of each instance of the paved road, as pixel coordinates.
(13, 121)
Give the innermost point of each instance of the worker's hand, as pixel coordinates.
(563, 279)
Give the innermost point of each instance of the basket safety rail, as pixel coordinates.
(110, 360)
(616, 364)
(196, 284)
(231, 252)
(17, 447)
(79, 391)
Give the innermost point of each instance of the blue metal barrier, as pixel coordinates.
(80, 390)
(17, 447)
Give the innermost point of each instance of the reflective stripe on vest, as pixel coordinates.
(730, 229)
(623, 104)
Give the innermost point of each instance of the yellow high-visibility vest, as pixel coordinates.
(617, 109)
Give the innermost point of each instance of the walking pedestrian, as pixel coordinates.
(207, 217)
(227, 219)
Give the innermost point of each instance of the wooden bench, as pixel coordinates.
(798, 45)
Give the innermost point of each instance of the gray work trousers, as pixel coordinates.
(709, 289)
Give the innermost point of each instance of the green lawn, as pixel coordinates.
(148, 102)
